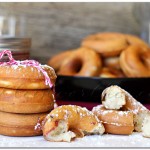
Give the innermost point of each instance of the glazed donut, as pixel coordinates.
(115, 122)
(12, 124)
(115, 97)
(135, 61)
(58, 59)
(107, 44)
(82, 62)
(26, 101)
(112, 62)
(69, 121)
(111, 73)
(27, 74)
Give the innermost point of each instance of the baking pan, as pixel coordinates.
(90, 88)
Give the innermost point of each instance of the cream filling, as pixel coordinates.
(99, 129)
(66, 137)
(114, 98)
(146, 126)
(60, 133)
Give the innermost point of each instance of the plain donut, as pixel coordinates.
(135, 61)
(58, 59)
(26, 74)
(26, 101)
(12, 124)
(24, 77)
(107, 44)
(82, 62)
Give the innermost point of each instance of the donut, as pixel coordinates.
(134, 40)
(69, 121)
(112, 62)
(26, 101)
(107, 44)
(139, 110)
(24, 77)
(116, 98)
(82, 62)
(27, 74)
(12, 124)
(135, 61)
(111, 73)
(57, 60)
(114, 121)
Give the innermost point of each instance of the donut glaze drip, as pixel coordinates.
(31, 63)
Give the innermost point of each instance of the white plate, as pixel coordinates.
(107, 140)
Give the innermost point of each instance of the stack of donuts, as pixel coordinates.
(26, 95)
(109, 54)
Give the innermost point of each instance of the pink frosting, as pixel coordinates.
(32, 63)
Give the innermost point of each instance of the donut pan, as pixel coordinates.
(90, 88)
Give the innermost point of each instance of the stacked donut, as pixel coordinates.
(120, 113)
(105, 55)
(26, 95)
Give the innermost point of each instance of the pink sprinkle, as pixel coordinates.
(32, 63)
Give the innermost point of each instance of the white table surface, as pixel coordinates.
(107, 140)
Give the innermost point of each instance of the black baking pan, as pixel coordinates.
(90, 88)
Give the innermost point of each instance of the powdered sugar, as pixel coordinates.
(38, 126)
(106, 141)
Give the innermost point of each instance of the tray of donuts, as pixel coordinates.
(103, 59)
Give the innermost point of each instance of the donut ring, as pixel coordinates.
(58, 59)
(117, 98)
(19, 124)
(107, 44)
(115, 122)
(26, 101)
(69, 121)
(111, 73)
(24, 77)
(140, 64)
(82, 62)
(27, 74)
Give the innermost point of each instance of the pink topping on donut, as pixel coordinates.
(32, 63)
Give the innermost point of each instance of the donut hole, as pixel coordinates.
(145, 59)
(76, 65)
(142, 60)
